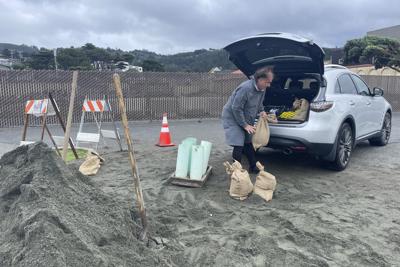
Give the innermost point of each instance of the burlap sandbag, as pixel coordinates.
(301, 107)
(265, 194)
(91, 164)
(271, 118)
(261, 136)
(265, 183)
(241, 185)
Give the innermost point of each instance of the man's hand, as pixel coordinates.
(263, 114)
(250, 129)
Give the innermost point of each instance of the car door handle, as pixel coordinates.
(352, 103)
(368, 103)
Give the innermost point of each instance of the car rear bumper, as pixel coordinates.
(300, 145)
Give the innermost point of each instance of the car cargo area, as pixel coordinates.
(289, 97)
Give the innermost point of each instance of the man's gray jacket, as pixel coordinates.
(241, 109)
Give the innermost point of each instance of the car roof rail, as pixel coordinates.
(335, 66)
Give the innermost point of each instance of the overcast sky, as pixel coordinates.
(171, 26)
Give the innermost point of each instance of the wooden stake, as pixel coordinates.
(113, 121)
(52, 140)
(58, 114)
(26, 122)
(70, 112)
(136, 179)
(44, 117)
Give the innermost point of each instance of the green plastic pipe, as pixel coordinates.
(182, 161)
(206, 155)
(196, 164)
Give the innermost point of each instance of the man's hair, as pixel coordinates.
(263, 73)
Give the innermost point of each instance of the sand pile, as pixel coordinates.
(50, 215)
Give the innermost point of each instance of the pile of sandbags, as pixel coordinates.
(241, 185)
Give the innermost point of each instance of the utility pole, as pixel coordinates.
(55, 58)
(12, 58)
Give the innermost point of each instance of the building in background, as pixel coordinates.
(5, 64)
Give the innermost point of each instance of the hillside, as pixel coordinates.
(202, 60)
(20, 48)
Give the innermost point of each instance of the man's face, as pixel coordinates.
(264, 83)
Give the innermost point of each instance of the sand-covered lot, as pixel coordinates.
(318, 217)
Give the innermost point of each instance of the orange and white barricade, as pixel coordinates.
(37, 108)
(43, 108)
(97, 107)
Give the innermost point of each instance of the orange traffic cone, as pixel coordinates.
(165, 137)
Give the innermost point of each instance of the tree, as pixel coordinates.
(72, 59)
(6, 53)
(127, 57)
(18, 66)
(152, 65)
(43, 60)
(95, 53)
(379, 51)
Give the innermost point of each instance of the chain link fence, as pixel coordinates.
(147, 95)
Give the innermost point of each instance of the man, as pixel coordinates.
(240, 112)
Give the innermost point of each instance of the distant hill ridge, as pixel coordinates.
(202, 60)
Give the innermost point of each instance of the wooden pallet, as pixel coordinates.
(189, 182)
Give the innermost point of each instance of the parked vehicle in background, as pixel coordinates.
(342, 111)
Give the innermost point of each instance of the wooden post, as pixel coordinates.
(52, 140)
(70, 112)
(58, 114)
(136, 179)
(113, 121)
(26, 122)
(44, 117)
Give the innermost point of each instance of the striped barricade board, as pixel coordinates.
(39, 107)
(95, 106)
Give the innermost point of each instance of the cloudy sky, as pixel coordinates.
(172, 26)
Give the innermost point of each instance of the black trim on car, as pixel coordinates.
(295, 144)
(368, 136)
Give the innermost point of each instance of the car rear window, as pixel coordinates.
(306, 83)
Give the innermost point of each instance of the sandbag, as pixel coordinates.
(271, 118)
(301, 107)
(241, 185)
(265, 194)
(265, 184)
(92, 163)
(261, 136)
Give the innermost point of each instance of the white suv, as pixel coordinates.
(342, 109)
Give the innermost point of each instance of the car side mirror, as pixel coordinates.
(378, 91)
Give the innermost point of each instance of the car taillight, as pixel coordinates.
(321, 106)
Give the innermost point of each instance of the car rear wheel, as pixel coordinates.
(383, 139)
(344, 147)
